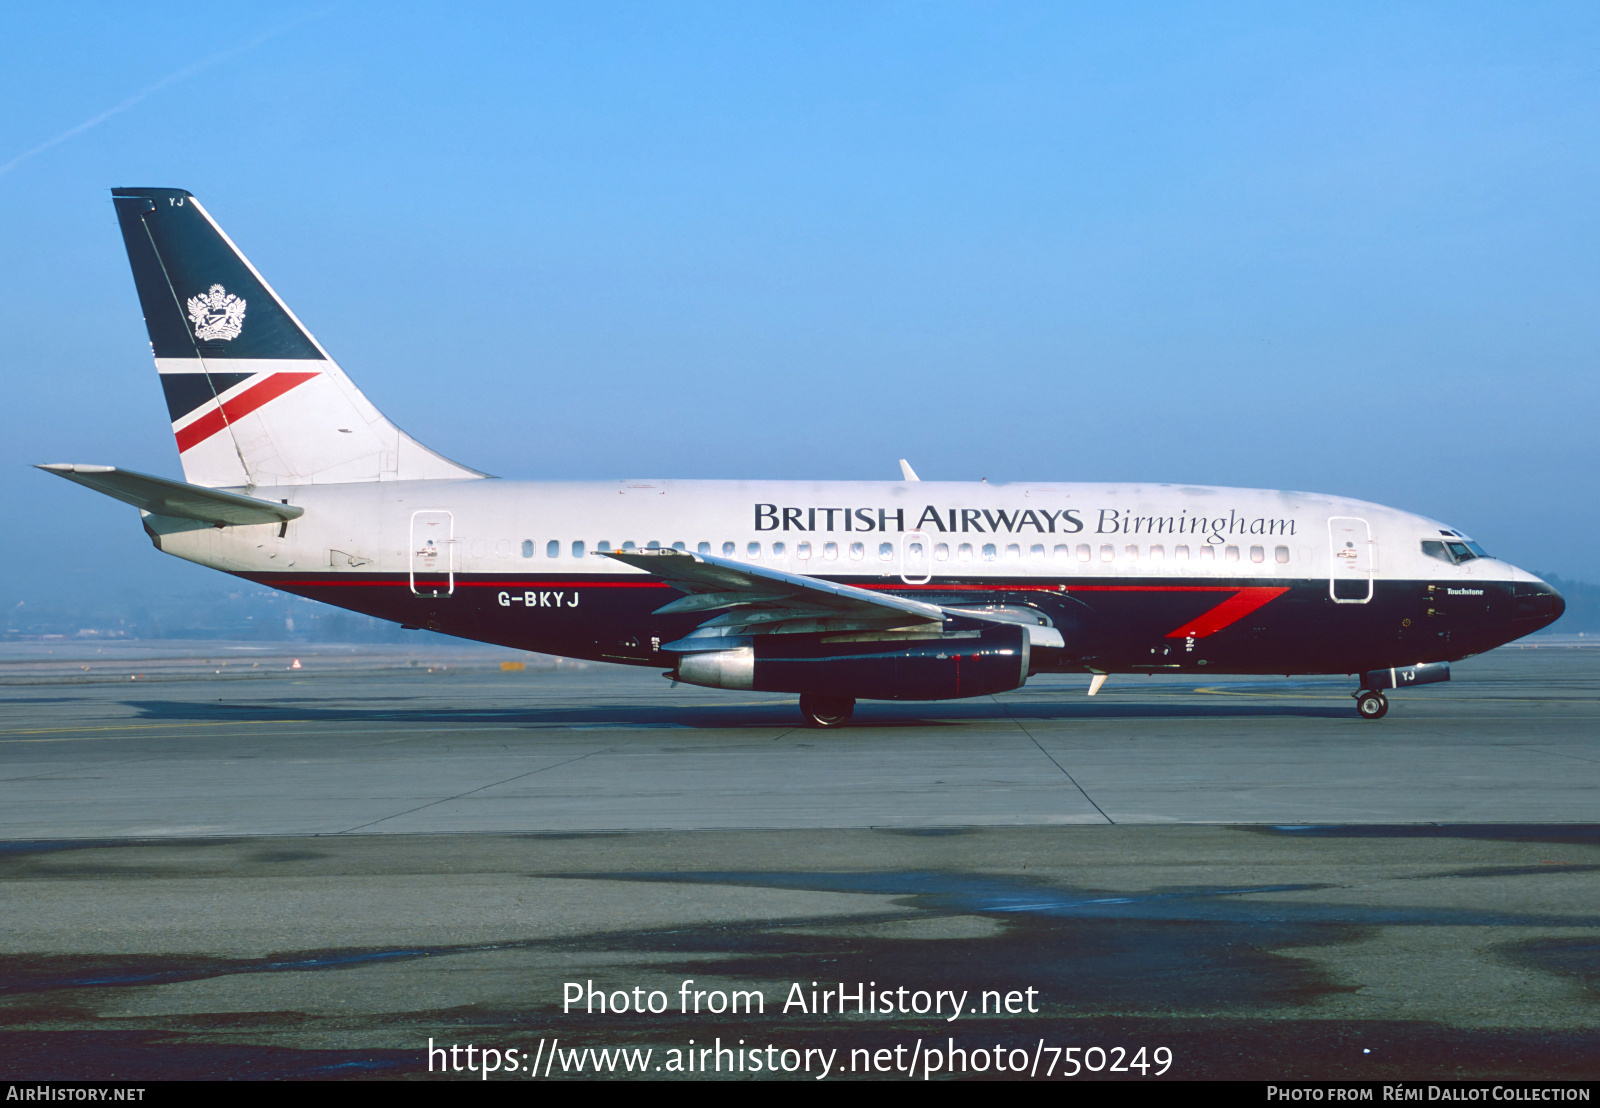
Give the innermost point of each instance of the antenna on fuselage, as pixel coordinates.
(910, 474)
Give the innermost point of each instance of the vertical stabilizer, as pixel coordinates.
(254, 399)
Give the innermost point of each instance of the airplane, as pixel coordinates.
(835, 590)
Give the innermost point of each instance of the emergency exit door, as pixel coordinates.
(916, 558)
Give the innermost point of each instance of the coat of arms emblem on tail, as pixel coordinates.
(217, 314)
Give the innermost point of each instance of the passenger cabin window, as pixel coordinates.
(1280, 554)
(604, 546)
(629, 546)
(830, 552)
(681, 546)
(802, 550)
(1013, 552)
(577, 549)
(1084, 552)
(1061, 553)
(1258, 554)
(1107, 552)
(777, 549)
(527, 548)
(885, 551)
(964, 552)
(1158, 551)
(1208, 553)
(703, 548)
(1181, 553)
(652, 545)
(753, 550)
(1132, 552)
(1036, 551)
(989, 552)
(941, 552)
(1230, 553)
(858, 550)
(552, 549)
(727, 549)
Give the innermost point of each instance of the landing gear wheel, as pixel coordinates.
(1371, 705)
(826, 711)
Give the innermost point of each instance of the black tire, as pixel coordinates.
(1371, 705)
(826, 711)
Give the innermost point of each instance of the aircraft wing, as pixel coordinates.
(162, 497)
(753, 599)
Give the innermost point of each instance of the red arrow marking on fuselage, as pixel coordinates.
(1229, 612)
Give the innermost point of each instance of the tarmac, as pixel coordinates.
(261, 870)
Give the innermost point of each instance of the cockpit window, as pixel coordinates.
(1453, 552)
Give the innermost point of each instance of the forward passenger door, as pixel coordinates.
(1353, 558)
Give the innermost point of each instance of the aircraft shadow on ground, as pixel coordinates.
(869, 715)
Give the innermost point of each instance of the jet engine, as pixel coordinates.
(974, 663)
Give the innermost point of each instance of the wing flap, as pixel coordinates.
(718, 583)
(162, 497)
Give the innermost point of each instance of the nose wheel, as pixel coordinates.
(826, 711)
(1371, 705)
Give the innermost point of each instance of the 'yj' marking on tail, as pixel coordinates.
(254, 399)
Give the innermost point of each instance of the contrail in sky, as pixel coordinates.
(170, 79)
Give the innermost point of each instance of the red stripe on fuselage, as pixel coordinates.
(1245, 598)
(460, 584)
(240, 406)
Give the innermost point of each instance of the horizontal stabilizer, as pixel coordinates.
(162, 497)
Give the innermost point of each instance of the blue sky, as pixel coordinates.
(1349, 248)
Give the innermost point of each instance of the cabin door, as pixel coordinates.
(1353, 558)
(433, 554)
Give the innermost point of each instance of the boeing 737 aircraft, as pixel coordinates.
(880, 590)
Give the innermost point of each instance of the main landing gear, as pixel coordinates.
(1371, 704)
(826, 711)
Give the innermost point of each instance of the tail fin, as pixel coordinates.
(254, 399)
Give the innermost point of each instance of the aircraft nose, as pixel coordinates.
(1537, 603)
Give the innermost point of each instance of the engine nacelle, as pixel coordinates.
(982, 662)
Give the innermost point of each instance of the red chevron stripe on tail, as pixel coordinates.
(240, 406)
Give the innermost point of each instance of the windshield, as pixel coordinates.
(1454, 551)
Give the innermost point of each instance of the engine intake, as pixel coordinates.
(990, 661)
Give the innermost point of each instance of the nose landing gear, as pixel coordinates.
(1370, 701)
(1371, 704)
(826, 711)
